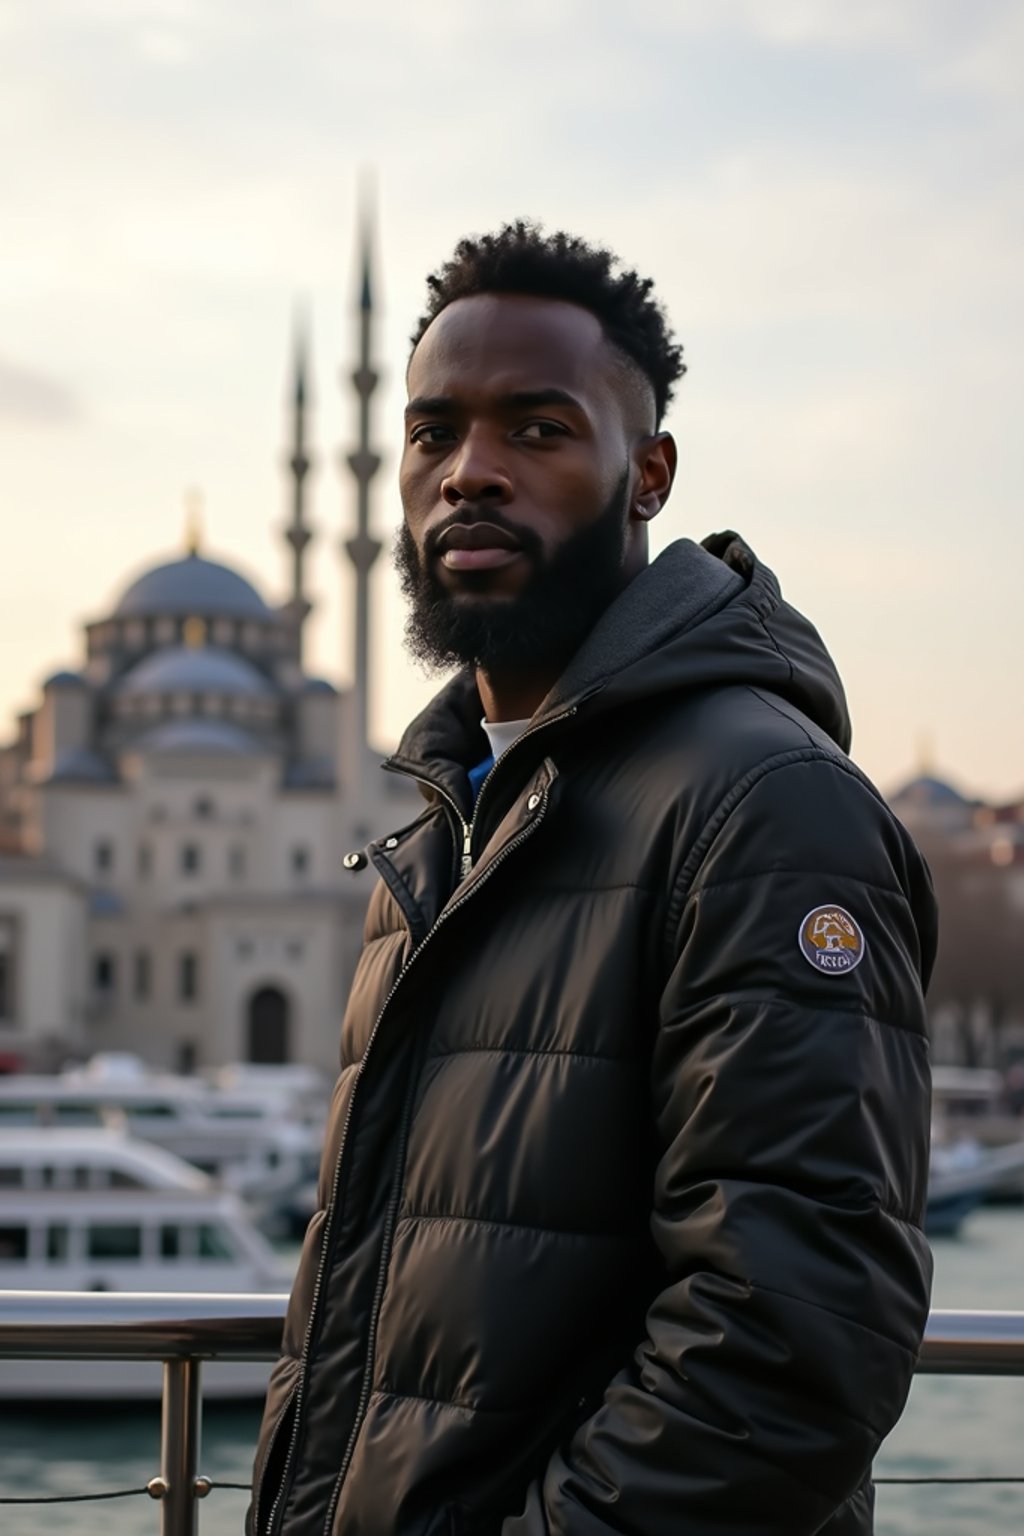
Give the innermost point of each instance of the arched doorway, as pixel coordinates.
(268, 1027)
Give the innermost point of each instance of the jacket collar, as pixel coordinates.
(697, 616)
(445, 739)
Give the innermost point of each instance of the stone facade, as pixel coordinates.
(175, 815)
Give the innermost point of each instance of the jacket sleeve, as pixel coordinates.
(791, 1106)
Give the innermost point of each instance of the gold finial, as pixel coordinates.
(193, 520)
(925, 755)
(193, 632)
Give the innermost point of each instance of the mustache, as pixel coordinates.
(469, 513)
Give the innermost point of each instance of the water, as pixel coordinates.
(961, 1425)
(952, 1426)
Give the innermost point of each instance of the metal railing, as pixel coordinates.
(183, 1330)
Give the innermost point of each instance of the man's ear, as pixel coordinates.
(656, 459)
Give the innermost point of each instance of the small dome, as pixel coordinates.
(929, 791)
(65, 680)
(202, 669)
(318, 685)
(198, 736)
(192, 585)
(79, 764)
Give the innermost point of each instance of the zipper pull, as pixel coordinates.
(467, 858)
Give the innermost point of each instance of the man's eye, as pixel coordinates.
(536, 429)
(431, 435)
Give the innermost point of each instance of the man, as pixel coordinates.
(625, 1170)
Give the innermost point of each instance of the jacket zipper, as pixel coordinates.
(364, 1395)
(467, 828)
(465, 867)
(325, 1248)
(378, 1295)
(265, 1460)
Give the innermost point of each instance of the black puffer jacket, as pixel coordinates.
(627, 1159)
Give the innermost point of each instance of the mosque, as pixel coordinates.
(175, 811)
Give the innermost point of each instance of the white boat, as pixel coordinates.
(963, 1174)
(304, 1090)
(37, 1158)
(84, 1210)
(246, 1138)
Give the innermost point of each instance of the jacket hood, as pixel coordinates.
(699, 616)
(707, 615)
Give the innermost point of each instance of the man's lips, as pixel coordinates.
(477, 547)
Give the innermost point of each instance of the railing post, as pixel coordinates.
(179, 1447)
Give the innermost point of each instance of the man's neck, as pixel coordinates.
(514, 695)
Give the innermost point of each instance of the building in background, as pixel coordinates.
(976, 854)
(175, 812)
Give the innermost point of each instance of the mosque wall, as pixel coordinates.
(198, 826)
(317, 724)
(43, 949)
(302, 843)
(307, 956)
(87, 829)
(61, 725)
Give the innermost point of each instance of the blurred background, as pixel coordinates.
(828, 197)
(196, 673)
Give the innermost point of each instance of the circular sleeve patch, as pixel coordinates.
(831, 940)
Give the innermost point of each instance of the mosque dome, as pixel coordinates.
(926, 790)
(198, 736)
(192, 585)
(80, 764)
(65, 680)
(198, 669)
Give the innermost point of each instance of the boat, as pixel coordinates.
(246, 1138)
(94, 1210)
(37, 1158)
(963, 1174)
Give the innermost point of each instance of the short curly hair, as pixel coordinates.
(522, 259)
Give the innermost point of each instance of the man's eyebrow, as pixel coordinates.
(529, 398)
(519, 399)
(430, 405)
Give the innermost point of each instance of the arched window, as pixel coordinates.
(188, 976)
(268, 1026)
(143, 974)
(104, 972)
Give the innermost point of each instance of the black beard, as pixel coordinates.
(541, 627)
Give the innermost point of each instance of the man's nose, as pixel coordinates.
(476, 473)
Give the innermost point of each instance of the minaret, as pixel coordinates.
(299, 465)
(362, 550)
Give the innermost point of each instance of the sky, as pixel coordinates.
(830, 200)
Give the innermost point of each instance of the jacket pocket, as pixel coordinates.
(485, 1509)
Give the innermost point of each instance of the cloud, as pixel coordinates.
(35, 398)
(992, 64)
(871, 26)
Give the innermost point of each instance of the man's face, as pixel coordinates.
(516, 482)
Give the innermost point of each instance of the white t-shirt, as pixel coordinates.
(502, 733)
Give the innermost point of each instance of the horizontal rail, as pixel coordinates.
(973, 1344)
(133, 1325)
(140, 1325)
